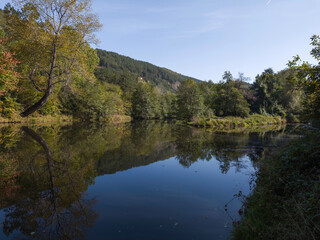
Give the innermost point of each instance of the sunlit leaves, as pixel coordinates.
(52, 38)
(311, 74)
(189, 100)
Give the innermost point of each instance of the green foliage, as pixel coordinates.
(237, 122)
(310, 80)
(76, 91)
(145, 102)
(8, 78)
(92, 101)
(278, 93)
(168, 105)
(126, 81)
(8, 106)
(52, 39)
(189, 100)
(208, 91)
(286, 200)
(114, 66)
(227, 76)
(229, 101)
(123, 86)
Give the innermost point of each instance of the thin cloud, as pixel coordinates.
(210, 22)
(195, 33)
(268, 2)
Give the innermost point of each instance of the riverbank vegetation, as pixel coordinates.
(237, 122)
(50, 72)
(285, 203)
(50, 69)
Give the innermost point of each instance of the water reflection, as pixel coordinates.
(45, 172)
(228, 148)
(43, 188)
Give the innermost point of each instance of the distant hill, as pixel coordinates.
(114, 68)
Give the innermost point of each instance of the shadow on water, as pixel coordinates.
(45, 171)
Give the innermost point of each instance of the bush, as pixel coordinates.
(8, 107)
(286, 201)
(237, 122)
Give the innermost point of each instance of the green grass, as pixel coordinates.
(286, 201)
(37, 119)
(237, 122)
(119, 119)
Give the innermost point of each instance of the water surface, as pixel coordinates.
(145, 180)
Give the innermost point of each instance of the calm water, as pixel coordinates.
(143, 180)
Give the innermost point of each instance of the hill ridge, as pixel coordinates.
(112, 64)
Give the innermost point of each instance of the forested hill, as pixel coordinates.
(113, 68)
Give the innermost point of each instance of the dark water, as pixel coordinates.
(147, 180)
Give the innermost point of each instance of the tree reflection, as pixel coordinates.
(145, 142)
(229, 149)
(50, 203)
(45, 172)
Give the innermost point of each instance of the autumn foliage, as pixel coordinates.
(8, 63)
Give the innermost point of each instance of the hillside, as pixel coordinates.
(125, 71)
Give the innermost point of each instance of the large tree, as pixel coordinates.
(229, 101)
(277, 93)
(145, 102)
(310, 76)
(52, 38)
(189, 100)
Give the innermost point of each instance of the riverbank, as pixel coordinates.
(285, 203)
(237, 122)
(36, 119)
(217, 123)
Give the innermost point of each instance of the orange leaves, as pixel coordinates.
(8, 62)
(7, 59)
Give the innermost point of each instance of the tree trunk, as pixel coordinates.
(46, 96)
(38, 104)
(50, 161)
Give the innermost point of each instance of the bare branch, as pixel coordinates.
(33, 81)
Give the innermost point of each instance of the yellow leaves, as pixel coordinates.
(65, 24)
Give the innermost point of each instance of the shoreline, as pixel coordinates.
(36, 119)
(254, 120)
(285, 201)
(214, 123)
(58, 119)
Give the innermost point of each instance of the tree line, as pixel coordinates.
(48, 67)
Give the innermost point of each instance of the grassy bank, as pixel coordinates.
(35, 119)
(286, 201)
(119, 119)
(237, 122)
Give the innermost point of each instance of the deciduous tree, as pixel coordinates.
(311, 79)
(52, 41)
(189, 100)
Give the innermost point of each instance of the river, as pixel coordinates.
(143, 180)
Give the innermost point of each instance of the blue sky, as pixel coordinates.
(203, 38)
